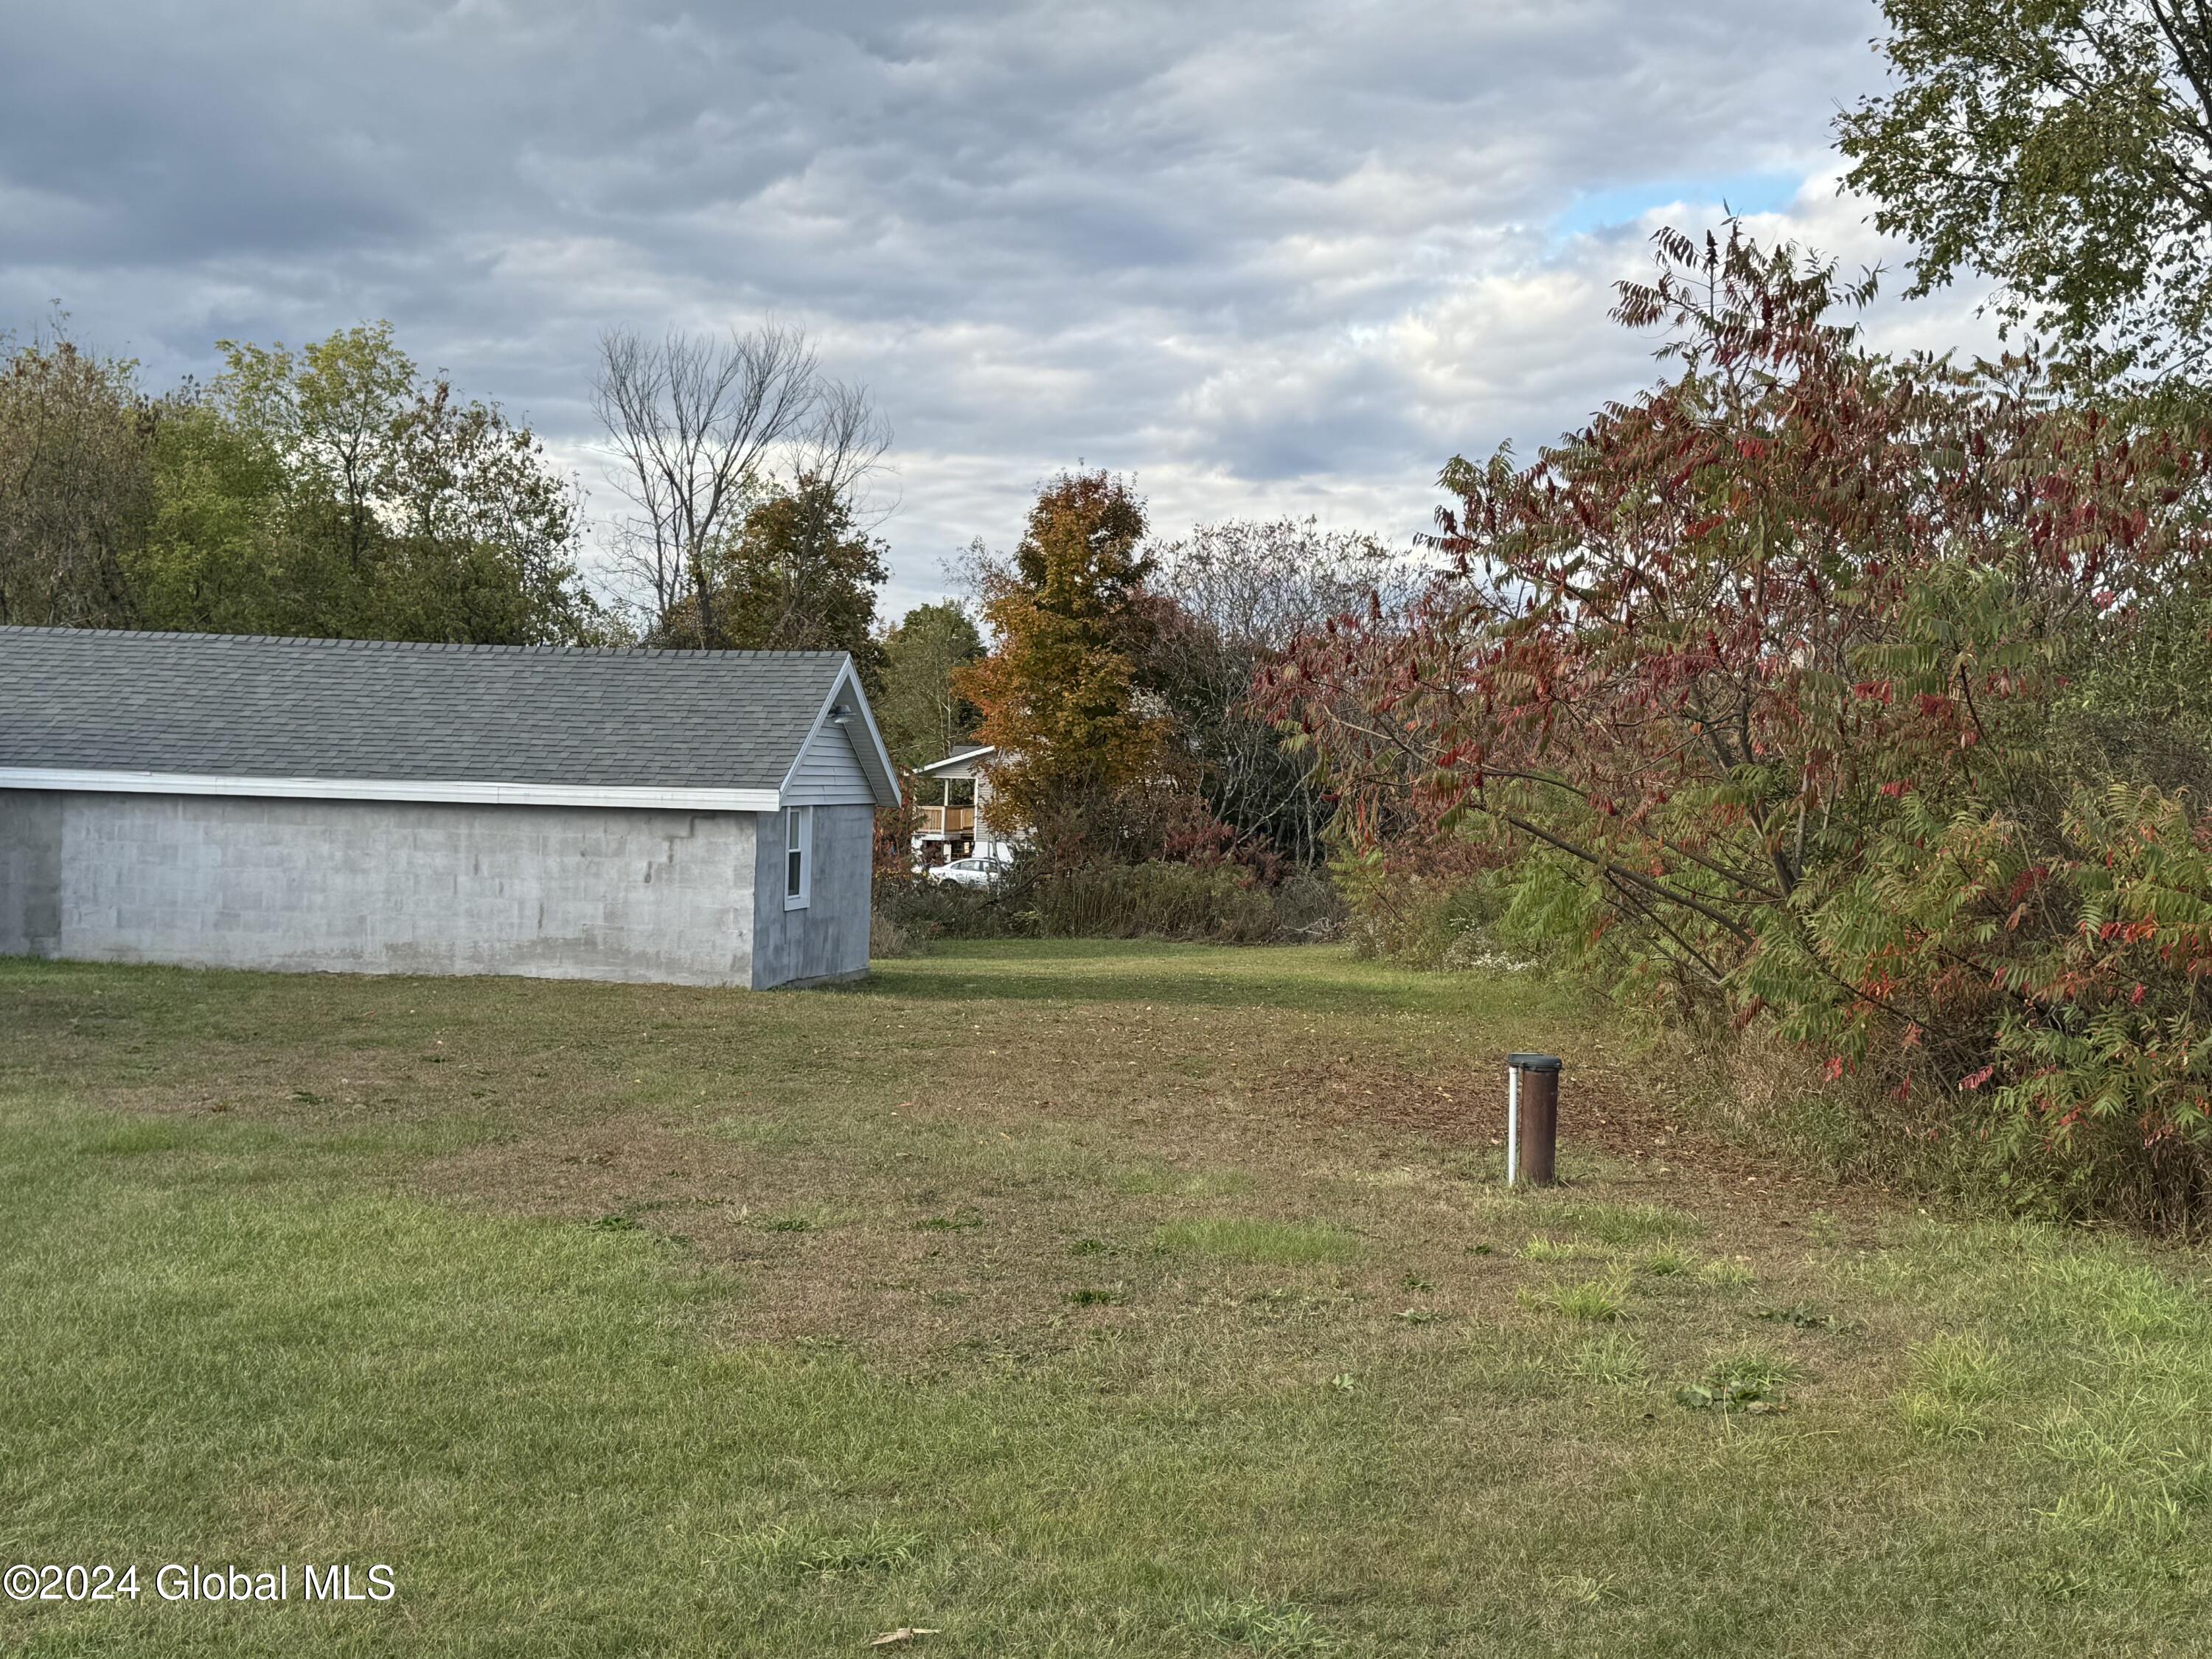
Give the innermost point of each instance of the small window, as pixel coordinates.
(797, 856)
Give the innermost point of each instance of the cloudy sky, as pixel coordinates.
(1270, 257)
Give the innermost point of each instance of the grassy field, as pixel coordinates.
(1062, 1299)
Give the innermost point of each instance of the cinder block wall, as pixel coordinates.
(380, 887)
(30, 872)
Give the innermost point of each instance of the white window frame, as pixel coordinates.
(799, 842)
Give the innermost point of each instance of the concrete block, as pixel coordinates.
(401, 887)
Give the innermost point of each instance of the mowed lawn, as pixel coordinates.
(1061, 1300)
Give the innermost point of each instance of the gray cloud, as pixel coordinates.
(1271, 258)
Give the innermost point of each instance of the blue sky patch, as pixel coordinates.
(1617, 205)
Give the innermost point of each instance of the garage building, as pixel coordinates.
(698, 818)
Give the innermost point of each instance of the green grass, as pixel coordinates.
(1956, 1380)
(1614, 1358)
(1279, 1243)
(1261, 1626)
(1120, 1322)
(1552, 1249)
(1597, 1298)
(1623, 1224)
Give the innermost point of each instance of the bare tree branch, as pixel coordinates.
(699, 422)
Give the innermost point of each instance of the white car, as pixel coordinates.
(969, 872)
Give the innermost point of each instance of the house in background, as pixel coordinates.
(698, 817)
(950, 830)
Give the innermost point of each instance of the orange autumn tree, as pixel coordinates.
(1059, 692)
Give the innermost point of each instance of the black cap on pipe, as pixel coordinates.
(1533, 1063)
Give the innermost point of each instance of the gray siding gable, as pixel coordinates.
(829, 773)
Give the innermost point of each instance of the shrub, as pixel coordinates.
(1842, 694)
(924, 910)
(1308, 907)
(888, 938)
(1219, 902)
(1158, 900)
(1407, 916)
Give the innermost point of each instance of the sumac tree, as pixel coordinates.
(1758, 687)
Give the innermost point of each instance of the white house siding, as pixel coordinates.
(829, 773)
(551, 892)
(828, 938)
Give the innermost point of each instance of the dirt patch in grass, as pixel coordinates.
(930, 1241)
(1601, 1112)
(845, 1249)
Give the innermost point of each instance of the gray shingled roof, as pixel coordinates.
(245, 707)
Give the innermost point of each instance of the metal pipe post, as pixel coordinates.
(1533, 1128)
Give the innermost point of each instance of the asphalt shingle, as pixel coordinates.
(241, 706)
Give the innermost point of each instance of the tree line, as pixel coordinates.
(338, 490)
(335, 490)
(1119, 687)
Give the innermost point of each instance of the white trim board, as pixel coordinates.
(457, 791)
(961, 758)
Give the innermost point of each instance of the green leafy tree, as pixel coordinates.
(481, 531)
(2060, 148)
(332, 491)
(336, 491)
(923, 717)
(212, 561)
(75, 490)
(329, 411)
(798, 573)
